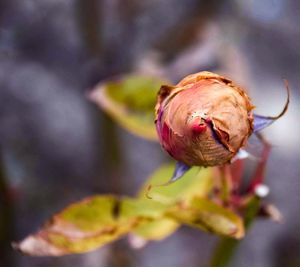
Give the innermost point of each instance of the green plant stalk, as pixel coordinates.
(225, 249)
(226, 183)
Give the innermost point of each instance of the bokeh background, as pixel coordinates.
(57, 147)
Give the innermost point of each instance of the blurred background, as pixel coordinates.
(57, 147)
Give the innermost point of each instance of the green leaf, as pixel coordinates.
(98, 220)
(142, 208)
(153, 225)
(208, 216)
(156, 229)
(130, 101)
(196, 182)
(80, 227)
(89, 224)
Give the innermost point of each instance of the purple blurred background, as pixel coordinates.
(54, 142)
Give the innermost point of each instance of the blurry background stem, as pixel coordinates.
(89, 16)
(111, 155)
(6, 221)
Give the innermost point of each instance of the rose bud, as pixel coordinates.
(204, 120)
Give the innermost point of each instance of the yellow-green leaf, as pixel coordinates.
(196, 182)
(80, 227)
(143, 208)
(152, 224)
(208, 216)
(130, 101)
(91, 223)
(156, 229)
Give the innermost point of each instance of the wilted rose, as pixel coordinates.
(203, 120)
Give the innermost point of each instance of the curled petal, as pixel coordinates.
(261, 122)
